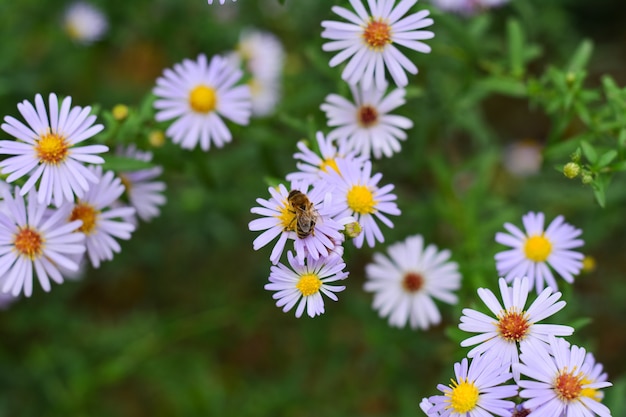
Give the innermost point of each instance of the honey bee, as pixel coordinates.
(305, 214)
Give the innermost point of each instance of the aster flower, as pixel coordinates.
(476, 391)
(357, 192)
(102, 225)
(198, 94)
(305, 283)
(280, 220)
(221, 1)
(513, 324)
(84, 22)
(366, 125)
(466, 7)
(560, 382)
(536, 251)
(46, 150)
(368, 40)
(312, 165)
(261, 53)
(32, 242)
(406, 282)
(144, 194)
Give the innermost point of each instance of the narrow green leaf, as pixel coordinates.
(598, 192)
(123, 163)
(607, 158)
(589, 152)
(502, 85)
(516, 47)
(581, 56)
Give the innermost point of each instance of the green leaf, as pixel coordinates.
(589, 152)
(607, 158)
(598, 192)
(581, 56)
(123, 163)
(507, 86)
(516, 47)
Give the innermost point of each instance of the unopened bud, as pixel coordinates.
(352, 230)
(587, 179)
(120, 112)
(156, 138)
(589, 263)
(571, 170)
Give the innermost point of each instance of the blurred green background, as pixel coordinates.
(178, 324)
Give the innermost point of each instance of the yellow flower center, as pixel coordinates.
(88, 214)
(513, 326)
(329, 163)
(203, 99)
(51, 148)
(592, 393)
(287, 217)
(309, 284)
(537, 248)
(367, 116)
(463, 397)
(568, 386)
(28, 242)
(125, 182)
(361, 200)
(377, 34)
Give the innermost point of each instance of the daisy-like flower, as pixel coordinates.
(560, 382)
(35, 242)
(304, 283)
(84, 22)
(280, 219)
(368, 40)
(476, 391)
(357, 192)
(366, 125)
(221, 1)
(198, 94)
(46, 150)
(535, 251)
(405, 283)
(261, 53)
(467, 7)
(513, 325)
(144, 193)
(102, 225)
(312, 165)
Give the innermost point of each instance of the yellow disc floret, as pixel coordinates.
(203, 99)
(537, 248)
(309, 284)
(463, 397)
(377, 34)
(51, 148)
(89, 216)
(361, 200)
(28, 242)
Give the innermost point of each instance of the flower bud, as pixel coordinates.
(571, 170)
(120, 112)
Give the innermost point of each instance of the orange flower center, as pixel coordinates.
(513, 326)
(88, 214)
(51, 148)
(377, 34)
(412, 282)
(367, 116)
(568, 386)
(28, 242)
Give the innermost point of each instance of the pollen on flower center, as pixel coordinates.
(309, 284)
(361, 200)
(89, 216)
(412, 282)
(589, 392)
(367, 116)
(463, 397)
(329, 163)
(513, 326)
(287, 218)
(28, 242)
(377, 34)
(537, 248)
(203, 99)
(51, 148)
(568, 386)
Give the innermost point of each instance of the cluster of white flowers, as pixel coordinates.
(559, 379)
(58, 205)
(467, 7)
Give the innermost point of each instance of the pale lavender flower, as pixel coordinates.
(84, 22)
(46, 150)
(305, 282)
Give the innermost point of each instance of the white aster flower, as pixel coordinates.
(84, 22)
(280, 219)
(306, 282)
(221, 1)
(198, 94)
(366, 125)
(32, 242)
(560, 383)
(313, 164)
(513, 325)
(144, 193)
(261, 53)
(102, 225)
(369, 40)
(466, 7)
(536, 251)
(46, 150)
(264, 96)
(356, 191)
(405, 283)
(476, 391)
